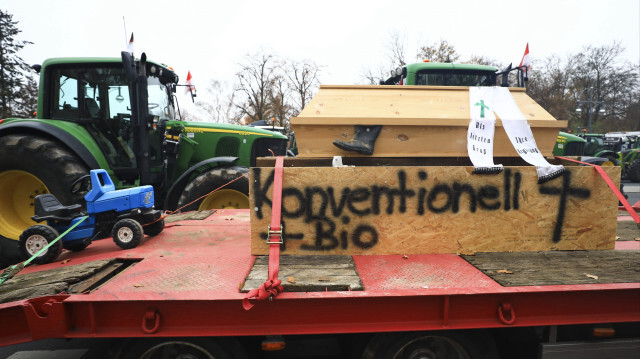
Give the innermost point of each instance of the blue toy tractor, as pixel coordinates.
(120, 214)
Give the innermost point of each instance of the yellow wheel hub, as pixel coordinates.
(19, 189)
(225, 198)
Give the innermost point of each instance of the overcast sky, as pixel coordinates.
(210, 38)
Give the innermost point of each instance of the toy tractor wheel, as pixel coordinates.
(154, 228)
(127, 233)
(633, 173)
(34, 238)
(234, 195)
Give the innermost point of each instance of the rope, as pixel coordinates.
(168, 213)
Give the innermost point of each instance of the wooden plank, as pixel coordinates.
(189, 216)
(49, 282)
(417, 121)
(405, 210)
(559, 268)
(307, 274)
(394, 161)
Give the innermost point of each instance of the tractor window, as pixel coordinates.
(97, 96)
(159, 101)
(66, 106)
(455, 78)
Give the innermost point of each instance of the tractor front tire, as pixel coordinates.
(37, 237)
(234, 195)
(31, 165)
(127, 233)
(633, 173)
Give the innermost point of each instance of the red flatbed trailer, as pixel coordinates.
(185, 283)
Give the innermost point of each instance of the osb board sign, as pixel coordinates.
(417, 121)
(411, 210)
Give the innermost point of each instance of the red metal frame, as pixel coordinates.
(187, 285)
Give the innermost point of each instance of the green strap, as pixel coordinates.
(14, 269)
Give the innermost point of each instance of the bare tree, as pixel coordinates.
(396, 48)
(254, 85)
(441, 51)
(217, 103)
(302, 81)
(598, 71)
(550, 85)
(281, 110)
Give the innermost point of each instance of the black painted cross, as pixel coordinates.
(482, 107)
(564, 192)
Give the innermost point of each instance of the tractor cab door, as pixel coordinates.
(97, 97)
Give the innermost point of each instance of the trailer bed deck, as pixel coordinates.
(187, 281)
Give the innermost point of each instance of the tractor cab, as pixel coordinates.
(124, 113)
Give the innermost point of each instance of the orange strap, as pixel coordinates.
(272, 286)
(613, 187)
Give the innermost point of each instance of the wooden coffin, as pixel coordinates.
(418, 121)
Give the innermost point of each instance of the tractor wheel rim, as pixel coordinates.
(35, 243)
(225, 199)
(125, 234)
(19, 188)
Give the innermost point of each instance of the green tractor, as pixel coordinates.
(568, 144)
(446, 74)
(121, 115)
(623, 149)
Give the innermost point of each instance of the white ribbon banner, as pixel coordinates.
(515, 125)
(481, 130)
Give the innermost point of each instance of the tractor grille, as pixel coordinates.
(574, 149)
(262, 146)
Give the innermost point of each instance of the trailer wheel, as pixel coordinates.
(634, 171)
(127, 233)
(192, 348)
(31, 165)
(432, 345)
(233, 195)
(154, 228)
(34, 238)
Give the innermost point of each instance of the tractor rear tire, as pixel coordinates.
(233, 195)
(633, 173)
(127, 233)
(34, 238)
(31, 165)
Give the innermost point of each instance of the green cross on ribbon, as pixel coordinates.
(482, 107)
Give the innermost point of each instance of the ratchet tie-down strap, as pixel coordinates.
(271, 287)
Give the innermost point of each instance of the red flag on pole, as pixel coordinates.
(130, 46)
(189, 82)
(526, 60)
